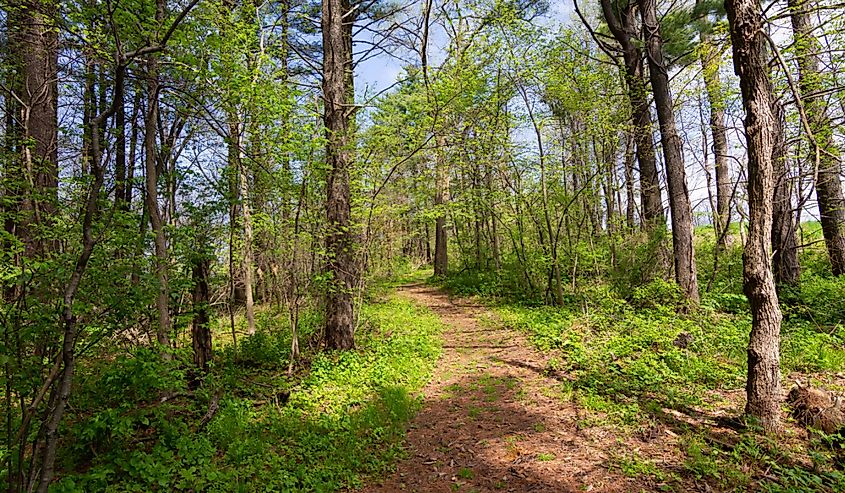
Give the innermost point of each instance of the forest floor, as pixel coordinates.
(493, 419)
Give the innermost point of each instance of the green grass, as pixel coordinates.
(617, 341)
(344, 419)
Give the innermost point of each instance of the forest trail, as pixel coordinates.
(493, 419)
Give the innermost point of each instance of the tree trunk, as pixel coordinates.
(441, 200)
(200, 331)
(240, 182)
(151, 161)
(679, 202)
(33, 45)
(624, 30)
(630, 199)
(120, 172)
(338, 95)
(812, 82)
(247, 260)
(787, 270)
(762, 129)
(710, 65)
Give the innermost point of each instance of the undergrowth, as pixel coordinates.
(631, 359)
(136, 428)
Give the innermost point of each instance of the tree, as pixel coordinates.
(32, 172)
(621, 20)
(679, 202)
(710, 59)
(813, 81)
(151, 161)
(338, 108)
(762, 130)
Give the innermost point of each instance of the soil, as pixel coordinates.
(494, 419)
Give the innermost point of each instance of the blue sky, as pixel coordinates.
(379, 73)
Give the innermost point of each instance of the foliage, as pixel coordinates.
(629, 354)
(321, 431)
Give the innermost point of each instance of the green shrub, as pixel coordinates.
(343, 420)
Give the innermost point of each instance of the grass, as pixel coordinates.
(631, 360)
(321, 430)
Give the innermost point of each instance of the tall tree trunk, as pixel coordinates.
(812, 82)
(441, 201)
(120, 172)
(624, 29)
(787, 270)
(33, 46)
(494, 227)
(246, 218)
(710, 65)
(133, 148)
(679, 202)
(151, 165)
(338, 96)
(762, 129)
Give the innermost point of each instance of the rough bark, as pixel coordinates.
(812, 83)
(32, 171)
(338, 95)
(679, 201)
(200, 331)
(623, 26)
(762, 129)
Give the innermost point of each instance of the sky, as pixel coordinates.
(379, 73)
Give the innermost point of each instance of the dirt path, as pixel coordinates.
(493, 419)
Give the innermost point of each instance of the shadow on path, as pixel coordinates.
(492, 419)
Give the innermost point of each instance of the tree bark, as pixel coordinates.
(120, 171)
(200, 332)
(33, 168)
(812, 82)
(338, 97)
(630, 199)
(679, 202)
(787, 269)
(624, 28)
(710, 65)
(762, 129)
(441, 200)
(151, 166)
(246, 217)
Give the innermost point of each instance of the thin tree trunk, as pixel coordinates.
(630, 199)
(710, 65)
(200, 331)
(787, 269)
(151, 160)
(120, 172)
(133, 149)
(762, 129)
(679, 202)
(812, 83)
(441, 200)
(246, 217)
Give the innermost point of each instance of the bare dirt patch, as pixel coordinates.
(493, 419)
